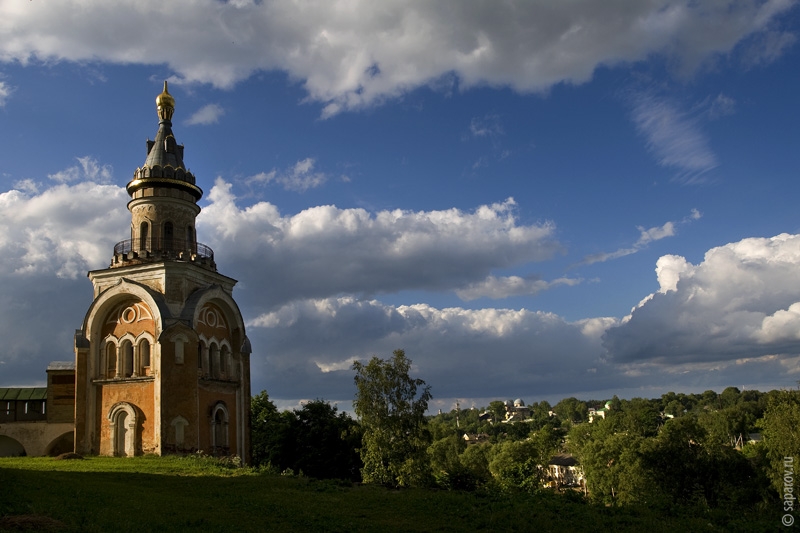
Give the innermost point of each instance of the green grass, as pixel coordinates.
(198, 494)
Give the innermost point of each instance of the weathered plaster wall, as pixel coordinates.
(35, 437)
(138, 392)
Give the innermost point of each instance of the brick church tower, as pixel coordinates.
(162, 361)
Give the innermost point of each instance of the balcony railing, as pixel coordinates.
(164, 247)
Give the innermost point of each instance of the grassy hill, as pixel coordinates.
(199, 494)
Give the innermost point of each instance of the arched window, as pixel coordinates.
(126, 350)
(108, 368)
(144, 357)
(214, 360)
(144, 230)
(169, 235)
(190, 242)
(200, 351)
(225, 361)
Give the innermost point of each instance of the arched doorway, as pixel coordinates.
(123, 430)
(121, 437)
(220, 442)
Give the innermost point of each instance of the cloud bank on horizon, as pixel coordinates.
(737, 312)
(319, 286)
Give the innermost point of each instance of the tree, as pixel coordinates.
(540, 413)
(548, 442)
(498, 410)
(781, 429)
(391, 408)
(610, 460)
(674, 408)
(729, 397)
(725, 426)
(571, 410)
(476, 460)
(325, 442)
(686, 467)
(315, 439)
(640, 416)
(446, 465)
(269, 430)
(514, 466)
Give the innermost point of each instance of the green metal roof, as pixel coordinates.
(23, 394)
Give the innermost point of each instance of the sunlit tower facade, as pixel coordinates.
(162, 358)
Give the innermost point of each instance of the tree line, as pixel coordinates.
(680, 449)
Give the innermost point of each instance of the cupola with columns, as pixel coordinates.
(163, 204)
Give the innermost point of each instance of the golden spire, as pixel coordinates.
(165, 104)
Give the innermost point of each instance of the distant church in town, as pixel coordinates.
(162, 362)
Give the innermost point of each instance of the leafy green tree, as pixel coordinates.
(270, 432)
(572, 410)
(444, 454)
(547, 440)
(498, 410)
(726, 425)
(729, 397)
(640, 416)
(781, 430)
(447, 467)
(677, 404)
(615, 403)
(315, 439)
(540, 415)
(517, 430)
(515, 466)
(674, 408)
(440, 427)
(686, 468)
(610, 460)
(677, 459)
(470, 423)
(325, 442)
(709, 399)
(391, 408)
(475, 459)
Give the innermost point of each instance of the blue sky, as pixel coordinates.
(534, 200)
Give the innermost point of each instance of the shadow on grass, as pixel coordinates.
(121, 501)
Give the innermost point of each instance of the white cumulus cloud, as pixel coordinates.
(65, 229)
(300, 177)
(503, 287)
(87, 169)
(51, 234)
(349, 54)
(323, 251)
(742, 301)
(208, 114)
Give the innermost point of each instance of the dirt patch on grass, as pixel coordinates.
(30, 522)
(69, 455)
